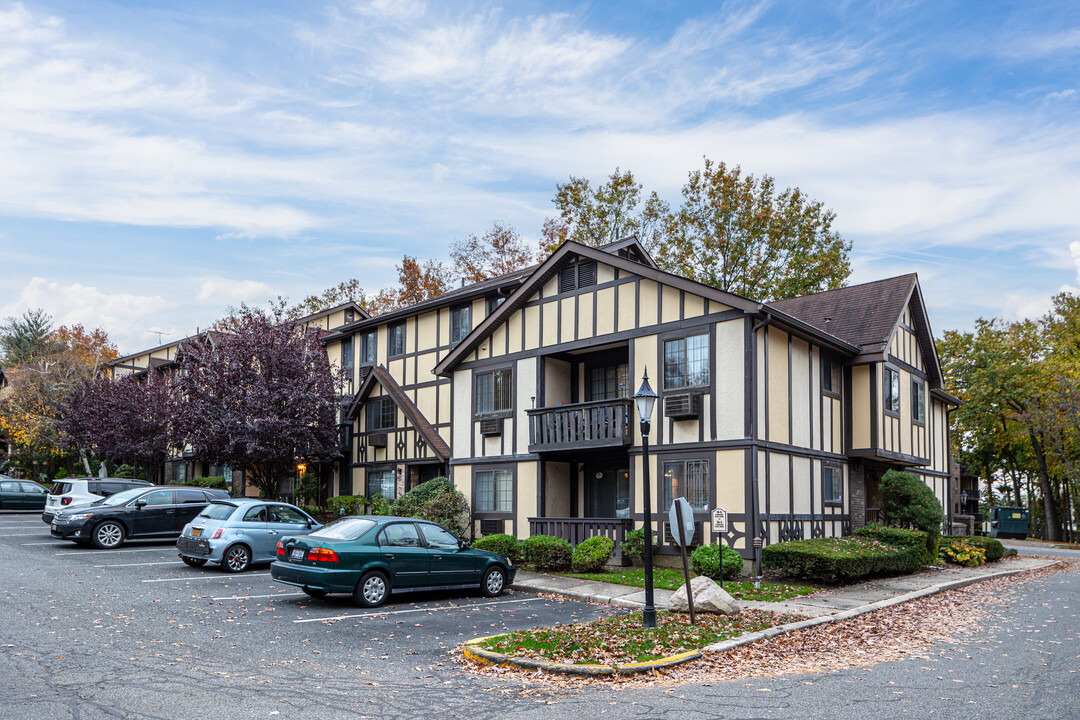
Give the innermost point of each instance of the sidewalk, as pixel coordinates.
(822, 603)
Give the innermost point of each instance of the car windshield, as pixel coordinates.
(344, 529)
(122, 497)
(217, 511)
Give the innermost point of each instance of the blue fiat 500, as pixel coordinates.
(239, 533)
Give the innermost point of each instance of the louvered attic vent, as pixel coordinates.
(491, 426)
(577, 275)
(682, 407)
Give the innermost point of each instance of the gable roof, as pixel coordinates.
(550, 267)
(350, 305)
(381, 375)
(867, 315)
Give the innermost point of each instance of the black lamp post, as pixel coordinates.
(646, 399)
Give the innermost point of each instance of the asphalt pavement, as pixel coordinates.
(134, 633)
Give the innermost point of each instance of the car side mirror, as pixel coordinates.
(140, 503)
(462, 544)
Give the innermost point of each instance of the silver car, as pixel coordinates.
(238, 533)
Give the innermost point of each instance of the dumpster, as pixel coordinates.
(1008, 522)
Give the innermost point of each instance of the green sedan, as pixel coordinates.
(373, 557)
(21, 494)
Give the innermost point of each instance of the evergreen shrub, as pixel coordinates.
(545, 552)
(348, 503)
(592, 555)
(503, 544)
(840, 560)
(706, 560)
(633, 546)
(435, 500)
(901, 537)
(909, 502)
(993, 548)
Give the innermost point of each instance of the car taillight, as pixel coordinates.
(65, 501)
(322, 555)
(281, 548)
(217, 534)
(186, 528)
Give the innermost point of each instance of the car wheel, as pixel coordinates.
(108, 535)
(193, 562)
(372, 590)
(494, 582)
(313, 593)
(236, 559)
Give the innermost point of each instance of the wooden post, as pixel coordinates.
(685, 567)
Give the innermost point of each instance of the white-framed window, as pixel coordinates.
(686, 362)
(494, 391)
(832, 484)
(495, 491)
(689, 479)
(892, 390)
(918, 400)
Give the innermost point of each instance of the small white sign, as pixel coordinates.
(719, 520)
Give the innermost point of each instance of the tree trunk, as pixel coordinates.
(1050, 508)
(85, 462)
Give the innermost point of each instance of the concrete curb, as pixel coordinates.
(483, 656)
(863, 609)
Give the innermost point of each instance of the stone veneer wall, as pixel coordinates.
(857, 495)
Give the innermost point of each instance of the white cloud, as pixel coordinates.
(224, 291)
(121, 314)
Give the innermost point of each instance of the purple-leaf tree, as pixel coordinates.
(258, 396)
(128, 420)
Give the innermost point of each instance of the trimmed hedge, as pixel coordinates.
(592, 554)
(545, 552)
(705, 560)
(211, 481)
(914, 539)
(840, 560)
(503, 544)
(993, 547)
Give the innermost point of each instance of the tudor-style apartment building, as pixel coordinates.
(518, 388)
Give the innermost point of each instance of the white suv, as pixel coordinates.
(82, 491)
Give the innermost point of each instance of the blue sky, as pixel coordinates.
(161, 161)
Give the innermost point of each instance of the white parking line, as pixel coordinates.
(405, 612)
(174, 562)
(255, 597)
(117, 552)
(54, 542)
(200, 577)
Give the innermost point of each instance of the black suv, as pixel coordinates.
(153, 512)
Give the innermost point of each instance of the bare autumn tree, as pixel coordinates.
(416, 282)
(498, 251)
(259, 397)
(604, 214)
(125, 420)
(736, 233)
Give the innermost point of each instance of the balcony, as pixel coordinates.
(589, 425)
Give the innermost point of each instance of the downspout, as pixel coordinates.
(754, 500)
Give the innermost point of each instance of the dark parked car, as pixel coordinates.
(140, 512)
(237, 533)
(373, 557)
(21, 494)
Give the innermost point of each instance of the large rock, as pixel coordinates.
(708, 597)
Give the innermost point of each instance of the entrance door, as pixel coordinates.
(607, 493)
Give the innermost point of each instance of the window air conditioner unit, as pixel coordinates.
(492, 527)
(671, 541)
(491, 426)
(365, 370)
(377, 440)
(682, 407)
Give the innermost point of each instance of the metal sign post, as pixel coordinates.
(682, 532)
(719, 526)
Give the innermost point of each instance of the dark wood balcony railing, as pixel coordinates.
(596, 424)
(577, 530)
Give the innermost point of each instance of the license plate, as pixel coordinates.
(196, 532)
(54, 527)
(297, 554)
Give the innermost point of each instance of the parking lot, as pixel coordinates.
(132, 631)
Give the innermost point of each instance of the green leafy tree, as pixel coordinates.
(499, 251)
(736, 233)
(604, 214)
(348, 291)
(26, 338)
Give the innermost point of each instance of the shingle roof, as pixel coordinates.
(863, 315)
